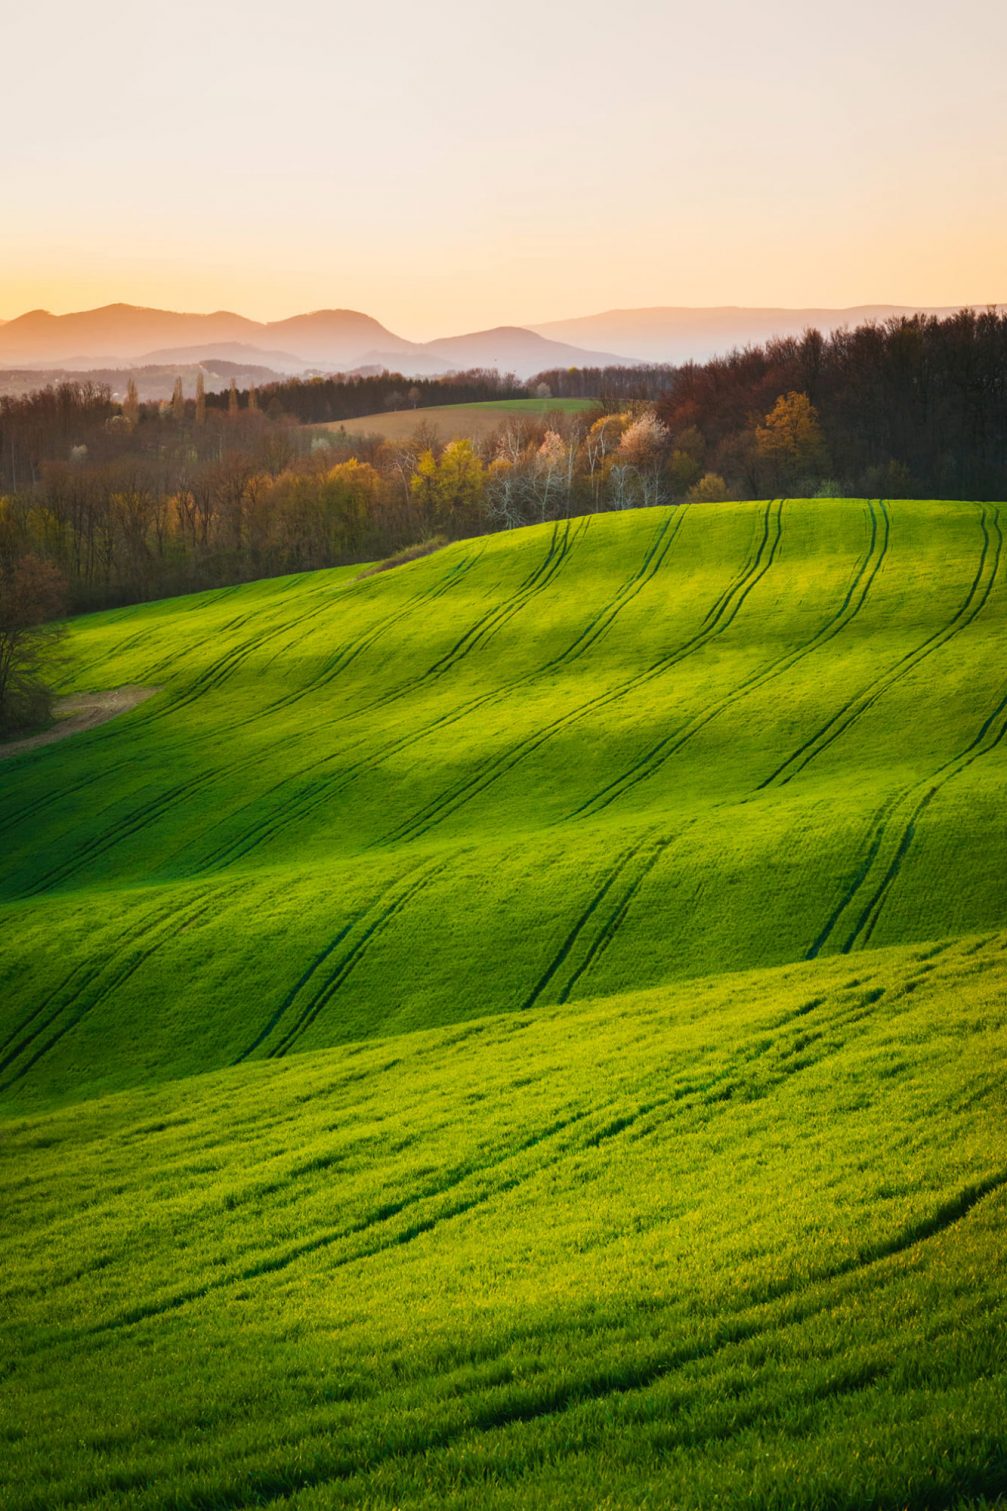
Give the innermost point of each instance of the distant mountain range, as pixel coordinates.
(670, 333)
(119, 335)
(327, 340)
(153, 380)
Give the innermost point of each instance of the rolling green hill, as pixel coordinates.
(637, 883)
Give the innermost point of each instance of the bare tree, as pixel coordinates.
(642, 450)
(548, 473)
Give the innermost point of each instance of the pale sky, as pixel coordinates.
(452, 165)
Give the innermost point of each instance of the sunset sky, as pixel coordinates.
(452, 165)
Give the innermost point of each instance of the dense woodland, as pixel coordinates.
(319, 401)
(140, 500)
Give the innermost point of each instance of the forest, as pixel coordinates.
(134, 501)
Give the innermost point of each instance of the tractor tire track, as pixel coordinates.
(221, 669)
(180, 793)
(889, 819)
(74, 995)
(316, 795)
(487, 623)
(447, 803)
(302, 981)
(129, 825)
(321, 788)
(476, 1182)
(29, 810)
(989, 737)
(607, 933)
(648, 764)
(855, 708)
(737, 581)
(159, 806)
(375, 919)
(652, 847)
(601, 622)
(333, 668)
(561, 544)
(346, 655)
(301, 803)
(162, 711)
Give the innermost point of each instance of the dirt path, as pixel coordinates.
(81, 711)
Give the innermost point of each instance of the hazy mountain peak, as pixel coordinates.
(335, 339)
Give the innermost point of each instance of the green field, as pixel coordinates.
(522, 1029)
(473, 421)
(533, 406)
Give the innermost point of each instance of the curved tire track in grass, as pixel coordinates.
(715, 623)
(346, 655)
(124, 829)
(989, 737)
(320, 789)
(74, 998)
(855, 707)
(596, 1381)
(600, 623)
(561, 544)
(164, 710)
(580, 1128)
(322, 980)
(610, 928)
(225, 665)
(157, 807)
(496, 617)
(648, 764)
(903, 810)
(652, 848)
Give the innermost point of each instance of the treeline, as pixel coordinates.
(49, 423)
(318, 401)
(144, 500)
(152, 500)
(916, 407)
(611, 386)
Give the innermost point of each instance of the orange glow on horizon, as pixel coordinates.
(444, 170)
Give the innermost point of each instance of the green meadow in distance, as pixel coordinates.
(476, 421)
(521, 1029)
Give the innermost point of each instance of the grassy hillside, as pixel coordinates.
(735, 1243)
(456, 421)
(562, 763)
(522, 1029)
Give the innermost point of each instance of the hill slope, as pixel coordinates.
(643, 1153)
(738, 1243)
(563, 763)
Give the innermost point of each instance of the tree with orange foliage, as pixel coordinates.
(450, 491)
(790, 445)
